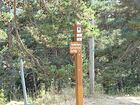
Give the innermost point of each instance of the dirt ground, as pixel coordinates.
(98, 100)
(106, 100)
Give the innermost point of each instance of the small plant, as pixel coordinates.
(2, 98)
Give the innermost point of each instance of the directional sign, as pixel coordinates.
(79, 39)
(77, 32)
(79, 35)
(74, 47)
(77, 28)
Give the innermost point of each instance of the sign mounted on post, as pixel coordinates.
(78, 32)
(75, 47)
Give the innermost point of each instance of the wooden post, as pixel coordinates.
(76, 49)
(79, 71)
(91, 65)
(79, 79)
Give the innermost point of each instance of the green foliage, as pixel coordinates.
(2, 97)
(45, 28)
(3, 35)
(119, 26)
(5, 18)
(64, 73)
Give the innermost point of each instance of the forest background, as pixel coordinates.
(41, 32)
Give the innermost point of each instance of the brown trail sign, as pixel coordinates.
(74, 47)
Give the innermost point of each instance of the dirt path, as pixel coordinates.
(133, 100)
(98, 100)
(106, 100)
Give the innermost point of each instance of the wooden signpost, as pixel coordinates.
(76, 49)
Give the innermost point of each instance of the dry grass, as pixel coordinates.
(68, 98)
(53, 97)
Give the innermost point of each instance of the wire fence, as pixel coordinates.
(59, 83)
(48, 88)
